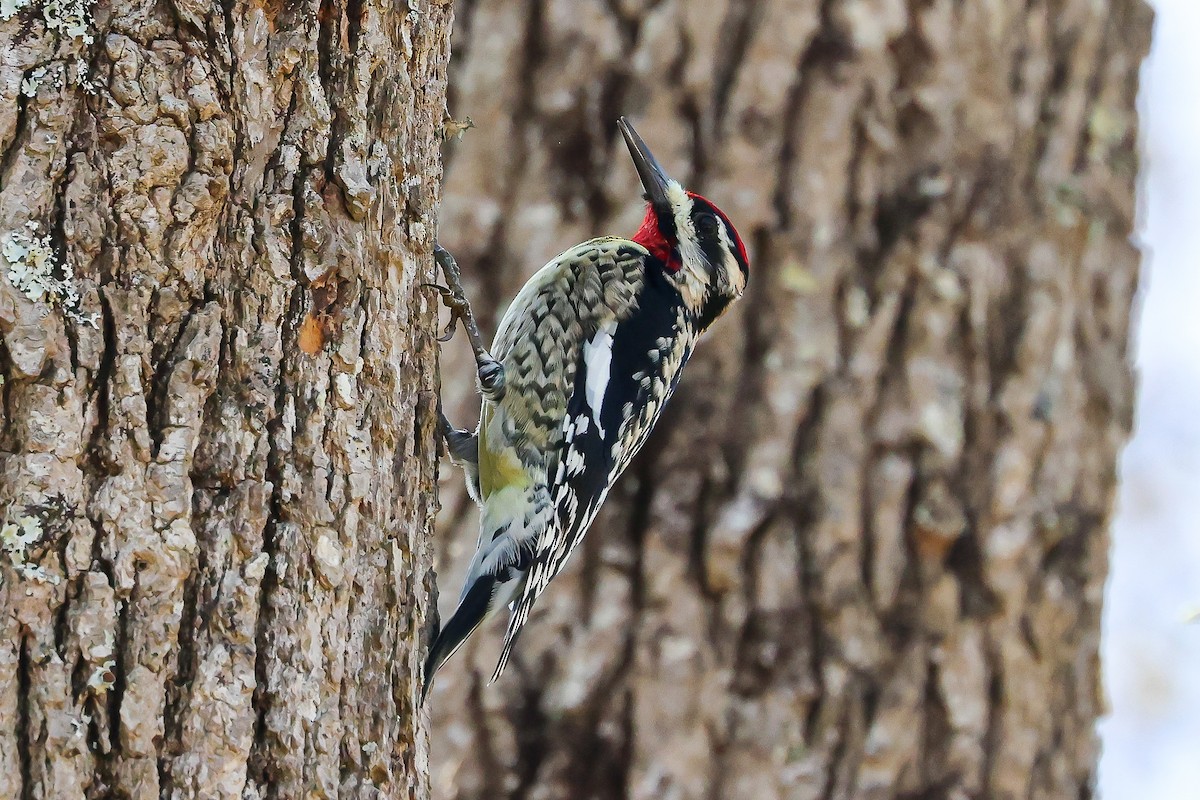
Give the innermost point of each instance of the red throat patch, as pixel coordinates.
(651, 238)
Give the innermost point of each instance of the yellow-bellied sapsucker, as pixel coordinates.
(583, 362)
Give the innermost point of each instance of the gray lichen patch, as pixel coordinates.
(68, 17)
(17, 538)
(29, 534)
(32, 267)
(29, 86)
(9, 8)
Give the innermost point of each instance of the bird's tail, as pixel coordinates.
(470, 612)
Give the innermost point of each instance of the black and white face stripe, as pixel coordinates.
(717, 238)
(714, 269)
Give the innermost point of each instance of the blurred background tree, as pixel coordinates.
(863, 555)
(1151, 639)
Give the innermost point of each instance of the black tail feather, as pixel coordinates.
(471, 611)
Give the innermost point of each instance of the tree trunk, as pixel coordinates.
(863, 555)
(217, 464)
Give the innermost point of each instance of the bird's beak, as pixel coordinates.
(654, 180)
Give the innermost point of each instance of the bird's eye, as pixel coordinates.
(707, 223)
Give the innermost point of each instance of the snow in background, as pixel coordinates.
(1151, 643)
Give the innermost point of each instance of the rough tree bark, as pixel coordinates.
(864, 554)
(217, 454)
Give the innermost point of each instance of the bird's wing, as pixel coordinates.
(625, 372)
(540, 337)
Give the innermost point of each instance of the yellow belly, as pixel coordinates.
(499, 466)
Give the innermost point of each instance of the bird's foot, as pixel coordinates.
(454, 297)
(460, 443)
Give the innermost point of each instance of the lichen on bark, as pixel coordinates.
(235, 599)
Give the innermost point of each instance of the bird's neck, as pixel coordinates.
(650, 236)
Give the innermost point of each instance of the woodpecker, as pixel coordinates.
(584, 360)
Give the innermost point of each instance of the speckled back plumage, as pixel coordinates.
(587, 286)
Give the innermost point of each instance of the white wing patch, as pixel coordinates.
(597, 356)
(575, 461)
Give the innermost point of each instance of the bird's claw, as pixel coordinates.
(491, 379)
(447, 296)
(454, 298)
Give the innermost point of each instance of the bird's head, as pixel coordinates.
(701, 252)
